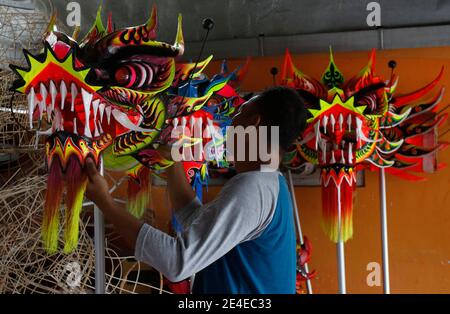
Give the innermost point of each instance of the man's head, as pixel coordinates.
(279, 107)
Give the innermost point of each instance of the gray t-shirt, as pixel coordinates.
(241, 212)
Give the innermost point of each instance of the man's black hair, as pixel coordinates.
(283, 107)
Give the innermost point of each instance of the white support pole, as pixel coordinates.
(298, 227)
(384, 233)
(340, 249)
(99, 244)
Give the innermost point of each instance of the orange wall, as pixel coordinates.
(418, 213)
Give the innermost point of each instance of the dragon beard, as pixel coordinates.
(66, 154)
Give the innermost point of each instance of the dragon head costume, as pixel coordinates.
(116, 94)
(359, 124)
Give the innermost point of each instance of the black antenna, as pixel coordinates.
(207, 24)
(392, 64)
(274, 72)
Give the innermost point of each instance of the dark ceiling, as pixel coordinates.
(303, 25)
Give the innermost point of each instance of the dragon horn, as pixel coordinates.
(151, 24)
(364, 78)
(97, 30)
(110, 25)
(224, 67)
(242, 70)
(76, 32)
(51, 23)
(287, 63)
(371, 64)
(293, 77)
(179, 41)
(403, 100)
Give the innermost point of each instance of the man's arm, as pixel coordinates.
(97, 191)
(182, 197)
(180, 191)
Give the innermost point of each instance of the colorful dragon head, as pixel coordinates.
(114, 93)
(358, 124)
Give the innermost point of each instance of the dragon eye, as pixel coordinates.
(134, 75)
(122, 76)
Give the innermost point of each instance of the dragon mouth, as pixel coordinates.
(337, 137)
(58, 93)
(75, 108)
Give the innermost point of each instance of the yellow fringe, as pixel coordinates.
(331, 229)
(73, 220)
(138, 205)
(49, 233)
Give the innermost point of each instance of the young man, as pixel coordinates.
(244, 240)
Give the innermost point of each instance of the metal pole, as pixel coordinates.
(384, 233)
(299, 228)
(340, 249)
(99, 243)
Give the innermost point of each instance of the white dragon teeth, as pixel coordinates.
(75, 126)
(57, 123)
(342, 157)
(87, 99)
(325, 124)
(341, 121)
(349, 122)
(332, 160)
(100, 127)
(95, 105)
(31, 105)
(63, 92)
(358, 123)
(358, 129)
(101, 108)
(43, 105)
(73, 93)
(52, 90)
(53, 93)
(43, 91)
(108, 114)
(332, 121)
(317, 132)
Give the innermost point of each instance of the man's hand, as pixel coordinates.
(97, 189)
